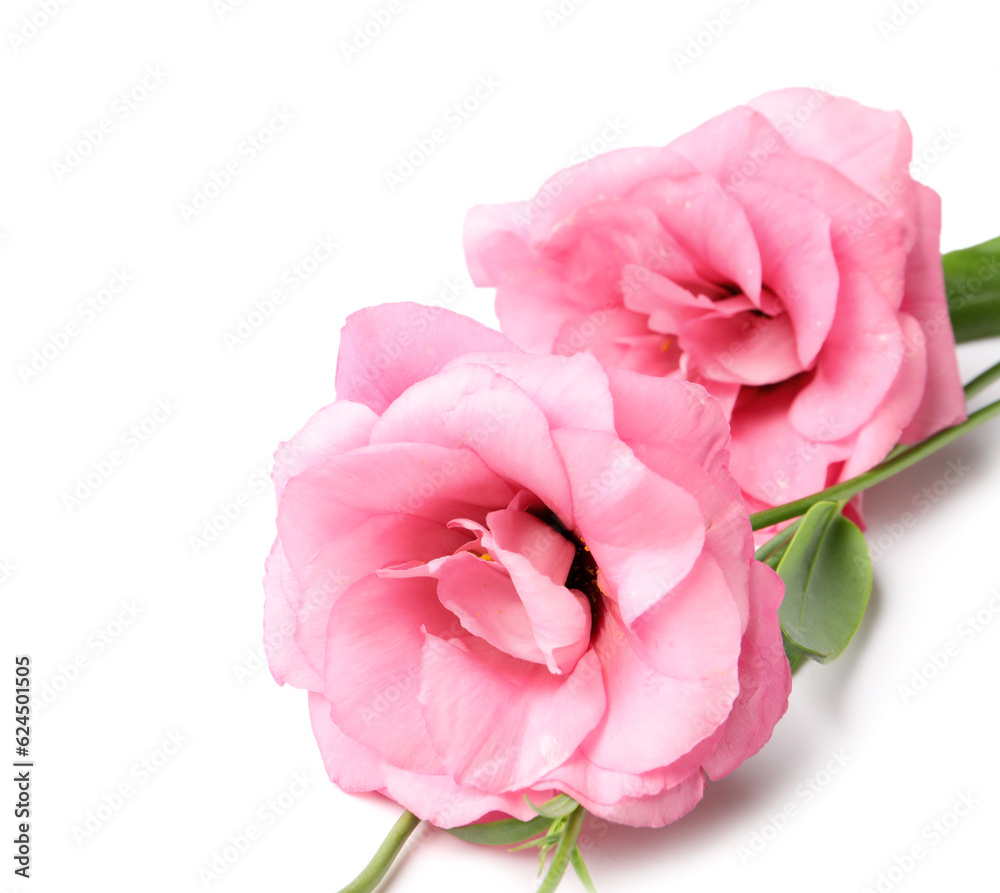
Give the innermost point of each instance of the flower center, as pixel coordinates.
(583, 571)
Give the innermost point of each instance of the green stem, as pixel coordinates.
(776, 542)
(981, 382)
(879, 473)
(564, 852)
(369, 879)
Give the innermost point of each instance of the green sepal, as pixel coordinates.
(505, 832)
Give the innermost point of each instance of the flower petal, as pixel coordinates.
(374, 700)
(943, 402)
(570, 390)
(882, 431)
(335, 429)
(501, 723)
(742, 349)
(674, 675)
(483, 597)
(860, 358)
(771, 460)
(870, 146)
(765, 678)
(473, 408)
(645, 532)
(797, 260)
(617, 337)
(710, 228)
(386, 348)
(656, 810)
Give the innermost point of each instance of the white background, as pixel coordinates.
(187, 663)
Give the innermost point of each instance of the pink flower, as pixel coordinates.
(780, 255)
(500, 574)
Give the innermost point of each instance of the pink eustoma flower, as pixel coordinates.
(502, 575)
(780, 255)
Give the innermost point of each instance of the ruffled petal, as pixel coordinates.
(374, 700)
(771, 460)
(943, 402)
(501, 723)
(471, 407)
(871, 147)
(386, 348)
(674, 675)
(859, 358)
(614, 496)
(765, 678)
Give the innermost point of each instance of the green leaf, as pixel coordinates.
(828, 578)
(502, 833)
(972, 281)
(794, 654)
(581, 870)
(555, 808)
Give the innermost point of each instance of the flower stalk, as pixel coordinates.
(878, 474)
(373, 873)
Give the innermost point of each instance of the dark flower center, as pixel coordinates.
(583, 571)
